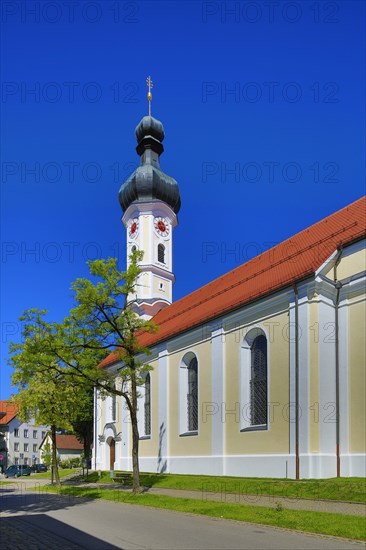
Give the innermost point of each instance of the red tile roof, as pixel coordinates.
(69, 442)
(8, 411)
(290, 261)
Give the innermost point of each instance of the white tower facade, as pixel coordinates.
(150, 200)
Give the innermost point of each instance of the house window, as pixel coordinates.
(26, 461)
(254, 381)
(35, 447)
(34, 434)
(147, 405)
(16, 460)
(43, 435)
(188, 395)
(26, 447)
(161, 253)
(25, 433)
(16, 432)
(258, 382)
(16, 446)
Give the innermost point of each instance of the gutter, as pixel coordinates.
(95, 427)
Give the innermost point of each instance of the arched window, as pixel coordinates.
(113, 407)
(258, 382)
(147, 405)
(192, 395)
(133, 249)
(254, 381)
(161, 253)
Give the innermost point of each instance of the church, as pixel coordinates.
(259, 373)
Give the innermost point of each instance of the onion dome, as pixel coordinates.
(148, 183)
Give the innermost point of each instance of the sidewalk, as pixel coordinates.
(271, 501)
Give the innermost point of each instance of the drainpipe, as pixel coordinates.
(338, 286)
(297, 456)
(95, 427)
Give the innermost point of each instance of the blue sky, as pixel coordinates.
(263, 109)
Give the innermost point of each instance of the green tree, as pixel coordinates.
(46, 454)
(102, 321)
(44, 392)
(82, 422)
(44, 398)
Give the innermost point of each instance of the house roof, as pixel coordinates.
(69, 442)
(8, 411)
(279, 267)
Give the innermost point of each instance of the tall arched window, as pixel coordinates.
(258, 382)
(147, 405)
(254, 381)
(113, 407)
(192, 395)
(161, 253)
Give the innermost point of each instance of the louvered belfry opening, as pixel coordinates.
(147, 405)
(192, 396)
(258, 382)
(161, 253)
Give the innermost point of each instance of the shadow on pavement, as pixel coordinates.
(45, 533)
(15, 498)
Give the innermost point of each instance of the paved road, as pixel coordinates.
(42, 521)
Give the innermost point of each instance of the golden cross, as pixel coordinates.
(149, 83)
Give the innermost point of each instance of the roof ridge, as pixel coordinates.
(271, 271)
(245, 279)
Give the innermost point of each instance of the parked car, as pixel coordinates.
(39, 468)
(17, 470)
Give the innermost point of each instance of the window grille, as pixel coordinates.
(147, 405)
(161, 253)
(192, 396)
(258, 382)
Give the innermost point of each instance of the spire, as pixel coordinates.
(149, 182)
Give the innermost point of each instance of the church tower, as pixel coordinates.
(150, 201)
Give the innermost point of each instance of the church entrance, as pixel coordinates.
(112, 454)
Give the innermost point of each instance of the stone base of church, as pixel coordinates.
(312, 466)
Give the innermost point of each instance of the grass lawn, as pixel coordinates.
(62, 471)
(352, 527)
(349, 489)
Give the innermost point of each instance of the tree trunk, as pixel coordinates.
(135, 436)
(54, 457)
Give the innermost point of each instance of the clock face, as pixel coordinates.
(161, 226)
(133, 228)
